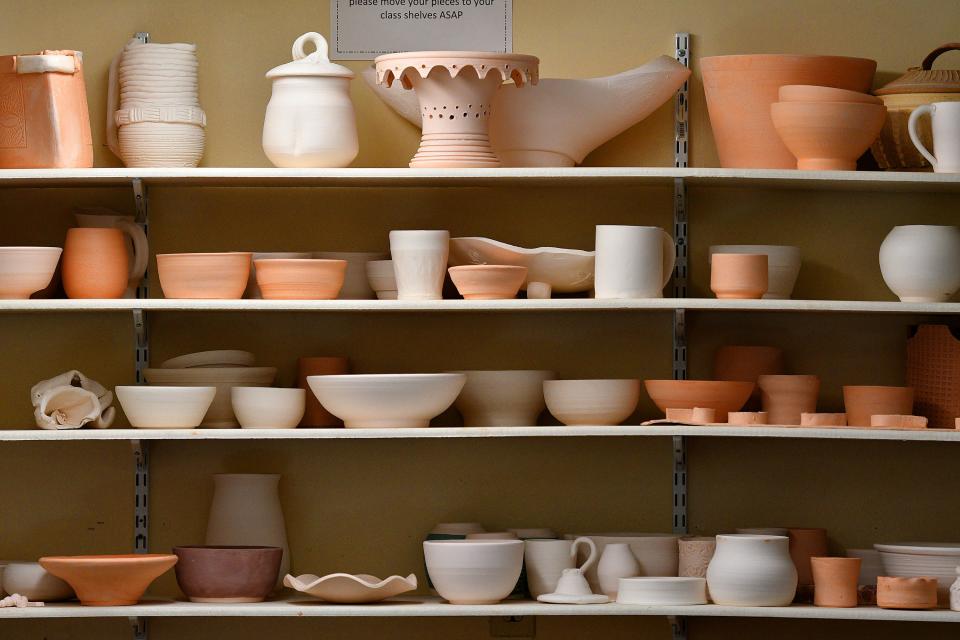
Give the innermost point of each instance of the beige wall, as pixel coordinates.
(362, 506)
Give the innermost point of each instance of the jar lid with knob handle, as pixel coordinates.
(312, 64)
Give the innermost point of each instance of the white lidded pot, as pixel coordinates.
(921, 262)
(310, 121)
(752, 571)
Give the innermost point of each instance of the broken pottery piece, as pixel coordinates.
(70, 401)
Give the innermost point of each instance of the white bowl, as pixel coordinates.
(220, 414)
(382, 279)
(502, 398)
(657, 553)
(31, 580)
(387, 400)
(165, 407)
(161, 144)
(591, 402)
(662, 591)
(26, 270)
(268, 407)
(918, 559)
(473, 571)
(206, 359)
(356, 285)
(783, 265)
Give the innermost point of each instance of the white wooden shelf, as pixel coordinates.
(432, 607)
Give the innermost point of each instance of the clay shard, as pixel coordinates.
(71, 400)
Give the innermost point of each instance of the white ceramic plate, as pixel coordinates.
(565, 270)
(345, 588)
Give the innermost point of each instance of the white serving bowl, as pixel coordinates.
(783, 265)
(387, 400)
(657, 553)
(31, 580)
(356, 284)
(474, 571)
(918, 559)
(268, 407)
(591, 402)
(502, 398)
(165, 407)
(662, 591)
(220, 414)
(26, 270)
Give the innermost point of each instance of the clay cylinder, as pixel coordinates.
(835, 581)
(95, 263)
(785, 398)
(806, 544)
(315, 415)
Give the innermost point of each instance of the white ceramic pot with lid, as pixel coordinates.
(310, 121)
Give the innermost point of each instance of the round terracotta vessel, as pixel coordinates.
(722, 396)
(826, 136)
(488, 281)
(862, 402)
(315, 415)
(115, 580)
(300, 279)
(835, 581)
(95, 263)
(785, 398)
(906, 593)
(742, 276)
(211, 276)
(806, 544)
(227, 574)
(747, 364)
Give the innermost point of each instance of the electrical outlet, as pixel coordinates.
(513, 627)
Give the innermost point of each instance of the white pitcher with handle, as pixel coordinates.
(945, 118)
(632, 262)
(138, 250)
(546, 560)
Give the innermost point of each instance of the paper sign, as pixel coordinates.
(365, 29)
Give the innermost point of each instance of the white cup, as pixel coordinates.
(945, 120)
(632, 262)
(545, 561)
(419, 263)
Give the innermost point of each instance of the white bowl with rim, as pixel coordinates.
(268, 407)
(154, 407)
(473, 571)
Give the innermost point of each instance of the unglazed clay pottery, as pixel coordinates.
(488, 281)
(738, 275)
(945, 123)
(382, 279)
(346, 588)
(149, 407)
(906, 593)
(217, 276)
(697, 415)
(806, 543)
(898, 422)
(572, 588)
(138, 250)
(937, 560)
(539, 291)
(748, 418)
(955, 593)
(356, 285)
(45, 119)
(253, 290)
(226, 574)
(823, 419)
(34, 582)
(246, 511)
(933, 370)
(104, 581)
(813, 93)
(564, 270)
(741, 88)
(672, 591)
(492, 535)
(861, 402)
(695, 555)
(268, 407)
(785, 398)
(764, 531)
(591, 402)
(632, 262)
(871, 565)
(752, 571)
(747, 364)
(206, 359)
(419, 263)
(310, 120)
(314, 414)
(473, 571)
(387, 400)
(657, 553)
(835, 581)
(456, 91)
(617, 561)
(26, 270)
(309, 279)
(921, 263)
(546, 560)
(783, 266)
(827, 136)
(220, 414)
(96, 265)
(723, 396)
(502, 398)
(71, 400)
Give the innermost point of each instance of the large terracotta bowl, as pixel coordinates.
(227, 574)
(292, 279)
(722, 396)
(26, 270)
(210, 276)
(105, 581)
(828, 136)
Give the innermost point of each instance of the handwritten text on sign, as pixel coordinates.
(364, 29)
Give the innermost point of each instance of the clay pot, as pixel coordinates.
(933, 370)
(823, 419)
(697, 415)
(95, 263)
(315, 415)
(835, 581)
(813, 93)
(898, 422)
(783, 265)
(747, 364)
(827, 136)
(109, 581)
(617, 561)
(806, 544)
(721, 396)
(861, 402)
(741, 88)
(26, 270)
(752, 571)
(488, 281)
(906, 593)
(739, 276)
(291, 279)
(785, 398)
(749, 418)
(921, 263)
(212, 276)
(227, 574)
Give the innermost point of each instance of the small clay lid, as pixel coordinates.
(923, 79)
(316, 64)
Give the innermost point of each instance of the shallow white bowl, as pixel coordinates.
(165, 407)
(33, 581)
(662, 591)
(783, 265)
(502, 398)
(474, 571)
(268, 407)
(591, 402)
(387, 400)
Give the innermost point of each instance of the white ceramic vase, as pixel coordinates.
(246, 511)
(921, 263)
(752, 571)
(632, 262)
(419, 263)
(617, 561)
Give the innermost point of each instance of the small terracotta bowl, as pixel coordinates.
(104, 581)
(488, 281)
(742, 276)
(227, 574)
(906, 593)
(827, 135)
(209, 276)
(300, 279)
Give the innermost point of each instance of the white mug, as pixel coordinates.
(545, 561)
(632, 262)
(945, 120)
(419, 263)
(138, 250)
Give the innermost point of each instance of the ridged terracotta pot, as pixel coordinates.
(835, 581)
(315, 415)
(95, 263)
(862, 402)
(785, 398)
(806, 543)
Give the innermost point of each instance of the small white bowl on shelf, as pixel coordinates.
(34, 582)
(664, 591)
(149, 407)
(591, 402)
(268, 407)
(473, 571)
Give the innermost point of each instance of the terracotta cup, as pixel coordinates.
(861, 402)
(835, 581)
(740, 276)
(785, 398)
(315, 415)
(806, 544)
(95, 263)
(906, 593)
(747, 364)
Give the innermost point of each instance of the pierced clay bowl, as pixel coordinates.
(488, 281)
(345, 588)
(149, 407)
(227, 574)
(502, 398)
(210, 276)
(26, 270)
(473, 571)
(34, 582)
(103, 581)
(723, 396)
(268, 407)
(387, 400)
(591, 402)
(291, 279)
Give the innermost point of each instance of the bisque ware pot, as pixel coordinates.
(722, 396)
(741, 276)
(227, 574)
(552, 269)
(26, 270)
(268, 407)
(220, 414)
(96, 263)
(748, 418)
(488, 281)
(814, 93)
(291, 279)
(546, 560)
(752, 571)
(314, 414)
(827, 136)
(138, 249)
(862, 402)
(419, 263)
(502, 398)
(356, 286)
(898, 422)
(632, 262)
(148, 407)
(835, 581)
(473, 571)
(657, 553)
(591, 402)
(617, 561)
(937, 560)
(212, 276)
(670, 591)
(783, 265)
(695, 555)
(921, 263)
(906, 593)
(32, 581)
(945, 123)
(253, 290)
(806, 543)
(786, 397)
(109, 580)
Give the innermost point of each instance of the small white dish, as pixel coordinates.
(665, 591)
(268, 407)
(346, 588)
(591, 402)
(563, 598)
(157, 407)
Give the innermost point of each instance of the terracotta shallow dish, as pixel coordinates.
(111, 580)
(26, 270)
(723, 396)
(292, 279)
(488, 281)
(227, 574)
(345, 588)
(906, 593)
(210, 276)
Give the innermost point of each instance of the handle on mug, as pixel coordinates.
(318, 41)
(915, 137)
(141, 251)
(669, 257)
(590, 558)
(113, 90)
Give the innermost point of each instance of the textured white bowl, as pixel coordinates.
(502, 398)
(268, 407)
(783, 265)
(662, 591)
(161, 144)
(387, 400)
(918, 559)
(33, 581)
(474, 571)
(591, 402)
(165, 407)
(657, 553)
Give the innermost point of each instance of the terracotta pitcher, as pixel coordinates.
(137, 247)
(96, 265)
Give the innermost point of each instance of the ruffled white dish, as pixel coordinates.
(346, 588)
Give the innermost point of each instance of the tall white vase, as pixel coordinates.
(752, 571)
(617, 561)
(246, 511)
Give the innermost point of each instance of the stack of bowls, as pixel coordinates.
(158, 121)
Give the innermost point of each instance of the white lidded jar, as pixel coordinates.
(310, 121)
(752, 571)
(921, 262)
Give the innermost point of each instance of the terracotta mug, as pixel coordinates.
(315, 415)
(739, 275)
(138, 250)
(945, 118)
(96, 265)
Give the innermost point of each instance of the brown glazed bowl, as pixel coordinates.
(227, 574)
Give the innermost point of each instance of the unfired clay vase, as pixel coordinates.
(784, 398)
(806, 543)
(747, 364)
(227, 575)
(741, 88)
(921, 263)
(861, 402)
(752, 571)
(346, 588)
(898, 422)
(617, 561)
(456, 91)
(723, 396)
(827, 136)
(906, 593)
(315, 415)
(293, 279)
(823, 419)
(71, 400)
(96, 264)
(738, 275)
(488, 281)
(216, 276)
(26, 270)
(502, 398)
(105, 581)
(835, 581)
